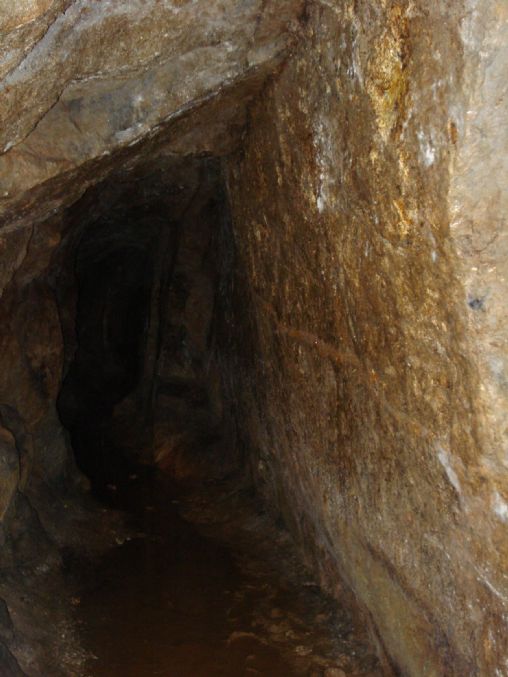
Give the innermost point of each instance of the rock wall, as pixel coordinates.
(82, 81)
(363, 333)
(88, 90)
(37, 470)
(32, 358)
(368, 321)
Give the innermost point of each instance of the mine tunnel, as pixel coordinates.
(143, 379)
(253, 345)
(146, 272)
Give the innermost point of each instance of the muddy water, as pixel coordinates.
(165, 602)
(221, 593)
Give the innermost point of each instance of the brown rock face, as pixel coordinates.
(374, 434)
(280, 228)
(106, 75)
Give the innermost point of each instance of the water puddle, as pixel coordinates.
(173, 601)
(162, 603)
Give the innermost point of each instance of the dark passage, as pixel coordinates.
(142, 382)
(113, 274)
(203, 583)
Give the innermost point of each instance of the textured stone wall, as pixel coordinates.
(80, 82)
(368, 326)
(89, 89)
(365, 325)
(31, 349)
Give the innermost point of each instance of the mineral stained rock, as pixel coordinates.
(362, 334)
(369, 215)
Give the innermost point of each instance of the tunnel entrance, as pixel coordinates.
(114, 281)
(204, 583)
(141, 384)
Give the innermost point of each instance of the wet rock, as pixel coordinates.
(366, 213)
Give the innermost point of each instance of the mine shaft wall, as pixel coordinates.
(355, 359)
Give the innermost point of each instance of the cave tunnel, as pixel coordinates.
(147, 274)
(253, 344)
(141, 383)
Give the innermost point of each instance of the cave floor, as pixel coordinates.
(207, 586)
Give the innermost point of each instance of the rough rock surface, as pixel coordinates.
(370, 224)
(105, 75)
(363, 333)
(87, 88)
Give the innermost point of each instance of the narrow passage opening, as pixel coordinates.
(141, 385)
(205, 582)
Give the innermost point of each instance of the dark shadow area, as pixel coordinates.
(142, 383)
(142, 402)
(114, 275)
